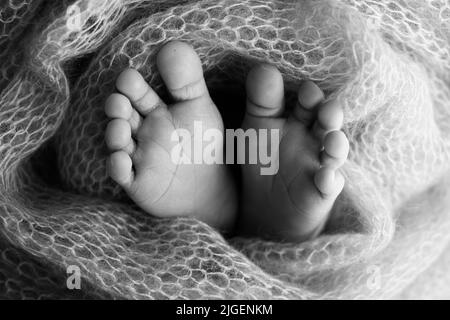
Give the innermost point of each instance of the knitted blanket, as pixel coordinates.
(387, 62)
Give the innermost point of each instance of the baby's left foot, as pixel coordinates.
(293, 204)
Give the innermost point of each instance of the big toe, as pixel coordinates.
(181, 70)
(120, 169)
(265, 92)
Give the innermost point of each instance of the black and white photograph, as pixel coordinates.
(227, 150)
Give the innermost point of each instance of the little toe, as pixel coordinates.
(118, 136)
(330, 117)
(133, 85)
(120, 169)
(182, 71)
(336, 149)
(329, 182)
(265, 92)
(309, 97)
(118, 106)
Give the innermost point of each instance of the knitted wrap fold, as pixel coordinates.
(387, 62)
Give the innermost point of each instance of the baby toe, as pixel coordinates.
(181, 70)
(265, 92)
(336, 149)
(120, 168)
(133, 85)
(118, 136)
(329, 182)
(118, 106)
(309, 97)
(330, 117)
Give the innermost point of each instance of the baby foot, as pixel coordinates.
(140, 134)
(293, 204)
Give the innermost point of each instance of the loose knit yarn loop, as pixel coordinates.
(387, 62)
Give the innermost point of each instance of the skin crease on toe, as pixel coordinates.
(118, 134)
(120, 168)
(265, 99)
(131, 83)
(185, 82)
(309, 95)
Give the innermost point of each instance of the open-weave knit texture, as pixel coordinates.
(386, 61)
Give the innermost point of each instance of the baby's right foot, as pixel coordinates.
(292, 205)
(140, 139)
